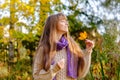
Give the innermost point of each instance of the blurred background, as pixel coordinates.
(21, 25)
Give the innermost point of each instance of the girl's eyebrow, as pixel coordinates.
(64, 20)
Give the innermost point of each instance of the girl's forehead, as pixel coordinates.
(62, 18)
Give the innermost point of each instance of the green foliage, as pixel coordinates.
(19, 70)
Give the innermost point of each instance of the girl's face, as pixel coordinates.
(62, 26)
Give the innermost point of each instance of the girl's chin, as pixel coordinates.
(65, 31)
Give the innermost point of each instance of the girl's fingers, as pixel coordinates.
(61, 63)
(89, 43)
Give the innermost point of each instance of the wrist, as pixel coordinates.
(56, 68)
(88, 50)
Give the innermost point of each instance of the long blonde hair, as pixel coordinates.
(48, 40)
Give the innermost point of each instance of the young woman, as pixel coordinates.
(58, 56)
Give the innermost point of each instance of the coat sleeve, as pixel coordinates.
(82, 72)
(39, 73)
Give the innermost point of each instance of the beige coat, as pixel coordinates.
(40, 74)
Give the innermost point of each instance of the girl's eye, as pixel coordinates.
(63, 21)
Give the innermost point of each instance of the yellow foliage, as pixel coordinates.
(3, 70)
(32, 9)
(97, 69)
(83, 35)
(4, 5)
(4, 40)
(44, 1)
(11, 33)
(44, 10)
(56, 1)
(13, 19)
(1, 31)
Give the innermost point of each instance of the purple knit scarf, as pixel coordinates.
(72, 60)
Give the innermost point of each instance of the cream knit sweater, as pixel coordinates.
(61, 74)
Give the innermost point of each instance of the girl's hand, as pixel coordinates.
(61, 63)
(89, 44)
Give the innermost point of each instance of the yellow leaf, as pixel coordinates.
(83, 35)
